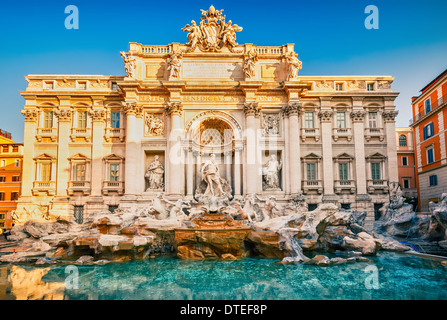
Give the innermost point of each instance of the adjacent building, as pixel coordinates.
(11, 155)
(429, 129)
(406, 162)
(91, 141)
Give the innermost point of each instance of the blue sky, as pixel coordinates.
(330, 37)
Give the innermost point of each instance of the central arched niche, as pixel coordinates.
(213, 133)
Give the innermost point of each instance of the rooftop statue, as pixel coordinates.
(212, 33)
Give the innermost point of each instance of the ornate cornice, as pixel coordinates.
(174, 109)
(132, 108)
(252, 109)
(389, 116)
(63, 114)
(325, 116)
(358, 116)
(30, 115)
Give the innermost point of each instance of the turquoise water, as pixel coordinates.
(390, 276)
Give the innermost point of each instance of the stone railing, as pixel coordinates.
(46, 133)
(310, 133)
(79, 186)
(341, 133)
(377, 185)
(312, 185)
(344, 185)
(113, 186)
(114, 133)
(85, 133)
(374, 133)
(44, 186)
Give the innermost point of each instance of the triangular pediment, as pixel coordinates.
(376, 155)
(45, 156)
(79, 156)
(113, 157)
(344, 155)
(312, 156)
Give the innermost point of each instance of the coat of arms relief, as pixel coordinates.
(213, 33)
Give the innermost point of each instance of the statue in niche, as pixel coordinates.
(270, 172)
(271, 124)
(154, 175)
(294, 65)
(174, 63)
(155, 126)
(212, 184)
(250, 62)
(129, 64)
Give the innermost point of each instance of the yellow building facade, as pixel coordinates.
(91, 141)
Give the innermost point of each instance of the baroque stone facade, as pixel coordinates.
(89, 140)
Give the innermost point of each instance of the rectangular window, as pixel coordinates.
(14, 196)
(346, 206)
(49, 85)
(17, 163)
(309, 120)
(115, 86)
(3, 163)
(46, 172)
(15, 148)
(370, 87)
(2, 179)
(405, 161)
(427, 106)
(341, 120)
(82, 85)
(48, 119)
(430, 155)
(375, 171)
(115, 120)
(433, 179)
(406, 183)
(428, 131)
(80, 172)
(114, 171)
(79, 214)
(15, 178)
(343, 171)
(2, 196)
(112, 208)
(373, 119)
(339, 86)
(82, 119)
(5, 149)
(311, 171)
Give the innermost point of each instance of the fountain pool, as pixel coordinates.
(389, 276)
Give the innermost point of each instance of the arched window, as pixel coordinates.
(402, 140)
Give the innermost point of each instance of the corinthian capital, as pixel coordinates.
(97, 115)
(358, 116)
(132, 108)
(30, 114)
(174, 109)
(252, 108)
(389, 116)
(292, 109)
(325, 116)
(63, 114)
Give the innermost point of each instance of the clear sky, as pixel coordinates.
(329, 36)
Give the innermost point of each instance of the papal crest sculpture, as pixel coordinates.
(213, 33)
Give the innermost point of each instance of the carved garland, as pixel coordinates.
(292, 109)
(251, 109)
(389, 116)
(325, 116)
(133, 108)
(63, 114)
(358, 116)
(174, 109)
(97, 115)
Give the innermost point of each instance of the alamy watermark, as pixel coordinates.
(372, 20)
(72, 20)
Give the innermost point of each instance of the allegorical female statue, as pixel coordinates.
(270, 172)
(154, 174)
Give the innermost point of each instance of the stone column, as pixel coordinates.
(228, 162)
(286, 164)
(190, 172)
(326, 141)
(294, 149)
(251, 111)
(391, 145)
(237, 170)
(198, 176)
(359, 156)
(98, 127)
(64, 116)
(28, 166)
(175, 163)
(132, 110)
